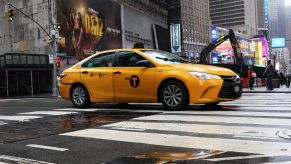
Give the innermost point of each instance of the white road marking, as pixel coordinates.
(234, 113)
(258, 147)
(3, 163)
(77, 110)
(218, 119)
(52, 113)
(236, 158)
(285, 162)
(47, 147)
(2, 123)
(22, 160)
(237, 131)
(19, 118)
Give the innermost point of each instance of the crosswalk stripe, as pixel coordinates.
(235, 145)
(47, 147)
(19, 118)
(52, 113)
(216, 119)
(237, 158)
(234, 113)
(21, 160)
(78, 110)
(235, 131)
(251, 108)
(2, 123)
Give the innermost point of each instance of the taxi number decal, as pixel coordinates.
(134, 81)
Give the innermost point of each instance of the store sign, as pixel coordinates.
(175, 30)
(51, 59)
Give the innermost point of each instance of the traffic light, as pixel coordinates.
(10, 14)
(58, 64)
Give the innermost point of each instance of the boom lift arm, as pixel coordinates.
(235, 46)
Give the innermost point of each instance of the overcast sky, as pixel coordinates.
(288, 2)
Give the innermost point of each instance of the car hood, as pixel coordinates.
(205, 69)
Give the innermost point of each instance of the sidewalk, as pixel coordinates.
(43, 95)
(282, 89)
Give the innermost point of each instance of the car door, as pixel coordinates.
(96, 73)
(133, 83)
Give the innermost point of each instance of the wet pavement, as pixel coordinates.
(255, 129)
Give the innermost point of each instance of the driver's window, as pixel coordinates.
(129, 59)
(102, 60)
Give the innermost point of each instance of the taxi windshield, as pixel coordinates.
(163, 57)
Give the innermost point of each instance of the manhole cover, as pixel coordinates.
(286, 134)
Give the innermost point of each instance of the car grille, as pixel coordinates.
(227, 90)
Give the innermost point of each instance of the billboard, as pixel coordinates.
(278, 42)
(175, 31)
(88, 26)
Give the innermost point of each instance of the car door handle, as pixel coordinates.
(85, 72)
(117, 73)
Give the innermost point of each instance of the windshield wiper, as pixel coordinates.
(174, 60)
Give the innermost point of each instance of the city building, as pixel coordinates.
(277, 26)
(262, 13)
(82, 28)
(239, 15)
(282, 59)
(193, 15)
(288, 27)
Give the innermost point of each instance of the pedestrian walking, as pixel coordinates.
(251, 77)
(269, 73)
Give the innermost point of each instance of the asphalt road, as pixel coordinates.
(255, 129)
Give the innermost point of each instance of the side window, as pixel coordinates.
(128, 59)
(102, 60)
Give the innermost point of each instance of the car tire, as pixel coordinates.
(174, 95)
(80, 96)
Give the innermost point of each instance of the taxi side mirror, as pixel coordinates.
(144, 63)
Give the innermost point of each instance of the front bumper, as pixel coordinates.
(225, 89)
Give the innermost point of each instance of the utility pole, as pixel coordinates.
(55, 48)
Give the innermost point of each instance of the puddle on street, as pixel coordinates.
(158, 157)
(53, 125)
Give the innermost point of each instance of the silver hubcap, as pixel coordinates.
(172, 95)
(79, 95)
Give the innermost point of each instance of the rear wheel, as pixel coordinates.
(174, 95)
(80, 97)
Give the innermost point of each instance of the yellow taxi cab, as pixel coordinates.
(147, 76)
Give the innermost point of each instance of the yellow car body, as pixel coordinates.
(121, 82)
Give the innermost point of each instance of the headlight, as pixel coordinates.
(204, 76)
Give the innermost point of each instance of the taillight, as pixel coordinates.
(63, 75)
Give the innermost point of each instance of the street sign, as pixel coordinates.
(51, 59)
(61, 54)
(175, 37)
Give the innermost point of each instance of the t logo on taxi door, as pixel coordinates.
(134, 81)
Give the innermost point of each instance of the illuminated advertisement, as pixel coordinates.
(278, 42)
(88, 26)
(265, 46)
(213, 33)
(225, 52)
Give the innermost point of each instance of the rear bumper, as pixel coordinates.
(64, 90)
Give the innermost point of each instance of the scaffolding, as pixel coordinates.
(19, 76)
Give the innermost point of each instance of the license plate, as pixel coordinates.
(236, 89)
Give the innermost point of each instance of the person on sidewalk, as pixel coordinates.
(251, 77)
(269, 73)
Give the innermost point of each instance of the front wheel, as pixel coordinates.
(174, 95)
(80, 97)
